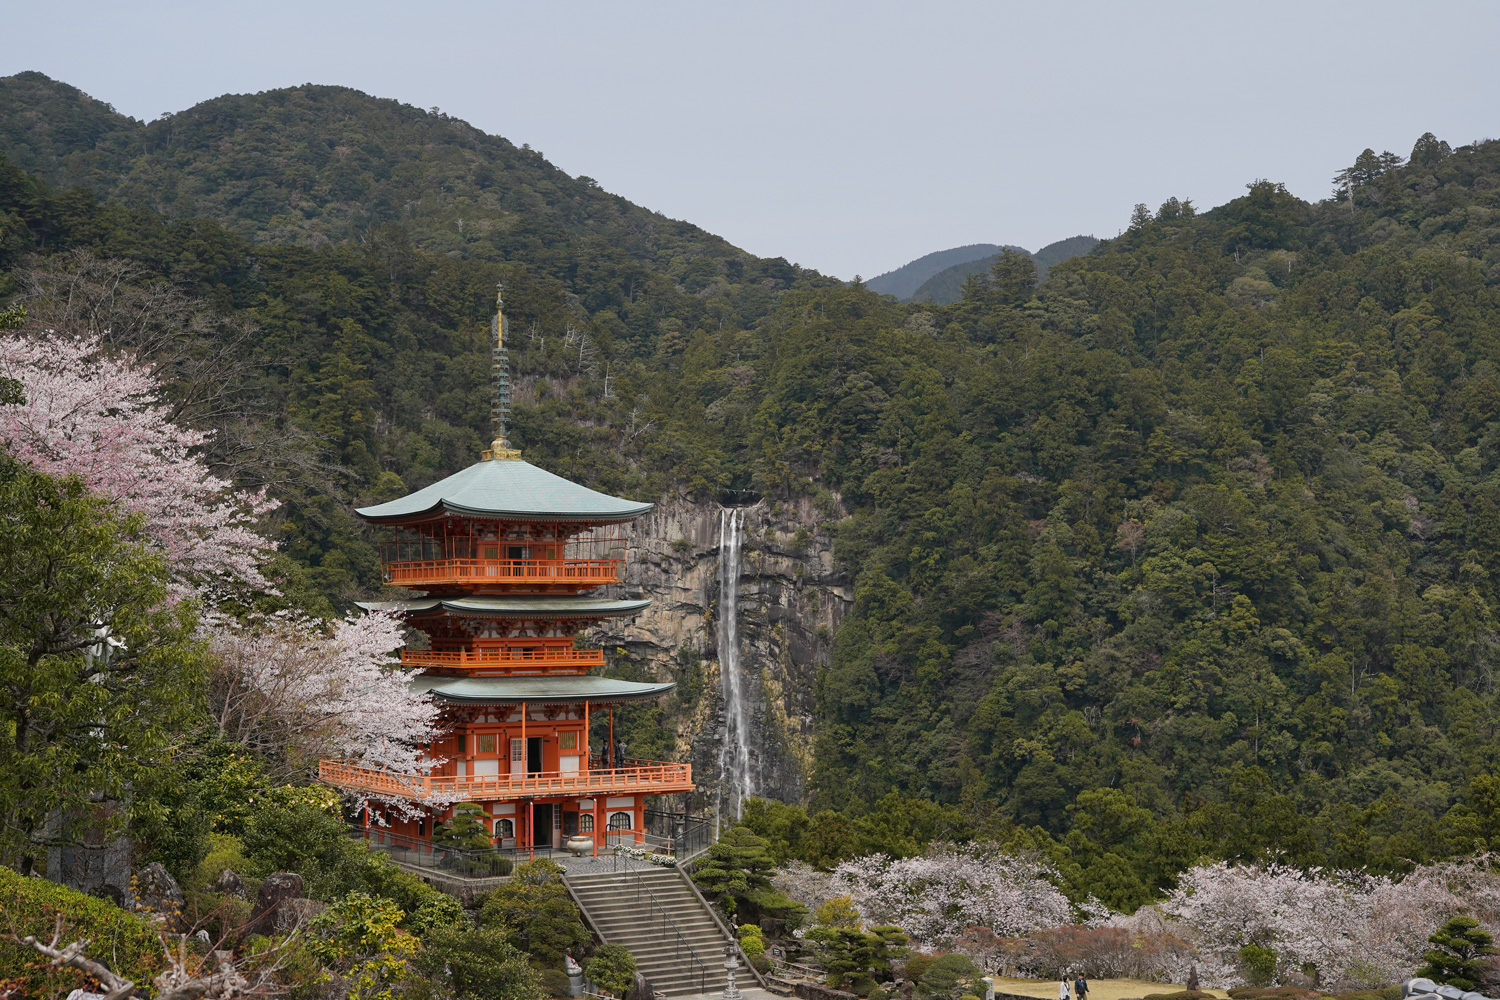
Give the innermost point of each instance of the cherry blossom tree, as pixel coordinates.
(98, 415)
(295, 690)
(938, 896)
(1352, 926)
(802, 883)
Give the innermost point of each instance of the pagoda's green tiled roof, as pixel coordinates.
(508, 489)
(518, 606)
(514, 690)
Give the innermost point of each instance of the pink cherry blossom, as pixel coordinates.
(98, 415)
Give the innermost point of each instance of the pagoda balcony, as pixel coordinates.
(578, 573)
(503, 660)
(640, 777)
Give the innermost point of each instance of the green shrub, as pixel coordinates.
(752, 940)
(358, 938)
(305, 839)
(477, 963)
(612, 969)
(917, 965)
(440, 910)
(760, 963)
(224, 851)
(536, 914)
(1259, 964)
(945, 975)
(555, 983)
(123, 941)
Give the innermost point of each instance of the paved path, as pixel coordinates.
(749, 992)
(589, 865)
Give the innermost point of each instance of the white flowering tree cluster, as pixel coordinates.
(295, 690)
(287, 686)
(99, 416)
(937, 896)
(1362, 929)
(802, 883)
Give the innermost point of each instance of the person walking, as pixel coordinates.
(1081, 988)
(1062, 989)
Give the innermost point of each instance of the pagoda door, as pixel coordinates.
(533, 755)
(542, 823)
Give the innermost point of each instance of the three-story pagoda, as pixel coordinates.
(511, 561)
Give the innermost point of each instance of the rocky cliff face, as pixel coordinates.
(790, 602)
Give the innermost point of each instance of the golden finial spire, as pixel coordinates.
(500, 449)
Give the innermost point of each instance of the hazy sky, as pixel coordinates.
(850, 137)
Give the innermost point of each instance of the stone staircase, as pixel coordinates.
(655, 914)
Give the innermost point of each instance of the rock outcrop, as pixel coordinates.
(229, 883)
(278, 892)
(157, 892)
(792, 597)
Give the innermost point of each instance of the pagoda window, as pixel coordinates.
(484, 743)
(505, 828)
(585, 822)
(621, 820)
(567, 741)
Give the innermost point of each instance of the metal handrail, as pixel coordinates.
(683, 874)
(463, 862)
(682, 942)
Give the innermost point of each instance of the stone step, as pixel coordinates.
(642, 915)
(623, 914)
(688, 987)
(681, 918)
(708, 951)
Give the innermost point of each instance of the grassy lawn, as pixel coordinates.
(1099, 989)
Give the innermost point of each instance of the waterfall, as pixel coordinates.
(736, 783)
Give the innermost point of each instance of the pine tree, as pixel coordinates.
(1455, 961)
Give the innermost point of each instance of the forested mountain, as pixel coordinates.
(947, 286)
(909, 277)
(1192, 550)
(312, 164)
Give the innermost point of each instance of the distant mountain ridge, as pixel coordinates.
(907, 278)
(947, 285)
(316, 164)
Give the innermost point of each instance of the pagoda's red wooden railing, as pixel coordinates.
(655, 777)
(515, 658)
(575, 572)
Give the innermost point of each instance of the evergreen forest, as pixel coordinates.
(1190, 550)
